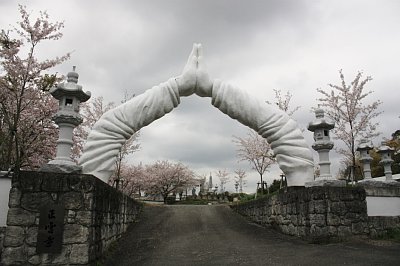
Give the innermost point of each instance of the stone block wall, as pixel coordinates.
(2, 232)
(95, 216)
(318, 214)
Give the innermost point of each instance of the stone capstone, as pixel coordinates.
(61, 168)
(326, 183)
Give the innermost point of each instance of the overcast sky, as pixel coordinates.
(256, 45)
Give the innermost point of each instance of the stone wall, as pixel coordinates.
(95, 216)
(318, 214)
(2, 232)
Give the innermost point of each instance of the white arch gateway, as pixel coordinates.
(293, 155)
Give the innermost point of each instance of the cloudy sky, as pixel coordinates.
(256, 45)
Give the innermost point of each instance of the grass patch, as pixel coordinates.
(393, 234)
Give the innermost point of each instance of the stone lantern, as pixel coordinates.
(323, 144)
(386, 160)
(365, 158)
(69, 95)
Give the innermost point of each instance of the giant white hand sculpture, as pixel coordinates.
(187, 80)
(114, 127)
(119, 124)
(204, 84)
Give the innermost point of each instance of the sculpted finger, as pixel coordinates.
(199, 50)
(204, 83)
(192, 60)
(187, 80)
(201, 66)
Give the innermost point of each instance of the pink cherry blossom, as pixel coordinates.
(27, 133)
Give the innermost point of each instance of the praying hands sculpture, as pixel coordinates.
(116, 126)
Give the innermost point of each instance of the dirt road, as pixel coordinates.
(215, 235)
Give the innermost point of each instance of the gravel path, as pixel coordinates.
(215, 235)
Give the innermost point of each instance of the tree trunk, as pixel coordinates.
(165, 198)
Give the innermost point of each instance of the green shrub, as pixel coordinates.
(393, 234)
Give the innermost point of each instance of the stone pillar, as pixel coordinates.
(365, 158)
(386, 160)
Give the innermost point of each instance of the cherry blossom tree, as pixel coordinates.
(256, 150)
(129, 147)
(164, 177)
(354, 119)
(132, 181)
(283, 102)
(240, 179)
(224, 177)
(27, 134)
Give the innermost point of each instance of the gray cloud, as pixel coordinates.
(257, 45)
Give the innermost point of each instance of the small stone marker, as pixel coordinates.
(51, 227)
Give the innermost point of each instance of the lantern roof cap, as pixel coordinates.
(70, 88)
(364, 145)
(320, 122)
(385, 149)
(72, 76)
